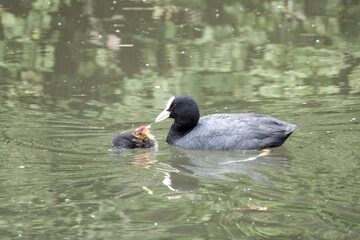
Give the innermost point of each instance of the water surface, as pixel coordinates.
(74, 73)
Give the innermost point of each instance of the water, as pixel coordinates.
(75, 73)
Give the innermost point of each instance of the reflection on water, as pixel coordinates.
(219, 164)
(73, 73)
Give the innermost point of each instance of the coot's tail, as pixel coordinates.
(278, 141)
(291, 128)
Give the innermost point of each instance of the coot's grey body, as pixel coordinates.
(241, 131)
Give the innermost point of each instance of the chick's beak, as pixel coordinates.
(145, 129)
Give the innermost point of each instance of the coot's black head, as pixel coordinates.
(184, 110)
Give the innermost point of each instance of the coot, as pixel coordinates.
(140, 138)
(241, 131)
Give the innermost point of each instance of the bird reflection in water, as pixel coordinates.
(218, 164)
(185, 167)
(143, 161)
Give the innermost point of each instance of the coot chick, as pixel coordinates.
(140, 138)
(241, 131)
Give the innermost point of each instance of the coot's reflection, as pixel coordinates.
(216, 164)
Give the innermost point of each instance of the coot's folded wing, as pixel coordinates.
(237, 132)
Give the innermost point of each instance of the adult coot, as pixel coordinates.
(140, 138)
(241, 131)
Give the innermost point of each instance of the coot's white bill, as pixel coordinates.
(165, 114)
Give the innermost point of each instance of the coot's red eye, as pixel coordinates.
(174, 105)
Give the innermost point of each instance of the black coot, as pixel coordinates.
(140, 138)
(241, 131)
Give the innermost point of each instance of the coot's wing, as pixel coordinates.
(237, 132)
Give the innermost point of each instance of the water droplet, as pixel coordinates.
(317, 40)
(21, 166)
(92, 215)
(155, 224)
(59, 23)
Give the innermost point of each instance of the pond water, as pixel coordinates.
(73, 73)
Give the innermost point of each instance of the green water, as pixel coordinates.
(73, 73)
